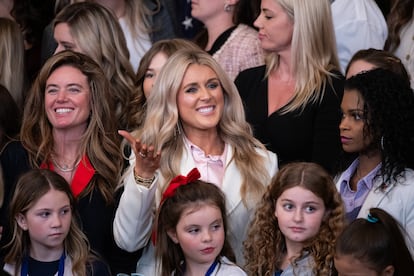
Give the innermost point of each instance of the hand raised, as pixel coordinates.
(147, 161)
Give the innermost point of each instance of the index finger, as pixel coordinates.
(131, 139)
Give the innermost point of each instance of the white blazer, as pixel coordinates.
(397, 200)
(134, 215)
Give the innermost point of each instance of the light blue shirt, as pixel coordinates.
(353, 200)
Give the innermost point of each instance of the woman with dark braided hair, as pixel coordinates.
(377, 125)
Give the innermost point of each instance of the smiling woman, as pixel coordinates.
(202, 125)
(67, 100)
(69, 127)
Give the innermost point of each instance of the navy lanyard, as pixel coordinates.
(25, 265)
(211, 268)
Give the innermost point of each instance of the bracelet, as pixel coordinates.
(146, 182)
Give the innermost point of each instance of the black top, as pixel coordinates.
(94, 215)
(311, 135)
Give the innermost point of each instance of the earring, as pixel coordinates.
(382, 142)
(227, 7)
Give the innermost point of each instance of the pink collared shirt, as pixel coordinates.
(211, 167)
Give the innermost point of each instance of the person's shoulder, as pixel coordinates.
(12, 146)
(246, 31)
(407, 179)
(257, 73)
(228, 268)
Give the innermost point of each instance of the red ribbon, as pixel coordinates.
(178, 181)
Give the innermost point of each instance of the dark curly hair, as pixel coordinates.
(388, 118)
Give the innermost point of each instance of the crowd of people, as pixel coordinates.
(223, 137)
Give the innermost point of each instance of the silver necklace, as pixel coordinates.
(64, 168)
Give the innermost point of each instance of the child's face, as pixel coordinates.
(152, 72)
(352, 123)
(299, 213)
(200, 234)
(347, 265)
(47, 221)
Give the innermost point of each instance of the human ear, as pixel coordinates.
(173, 235)
(21, 221)
(275, 212)
(388, 271)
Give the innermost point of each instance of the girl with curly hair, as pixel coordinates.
(296, 224)
(377, 125)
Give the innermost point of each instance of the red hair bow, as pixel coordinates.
(178, 181)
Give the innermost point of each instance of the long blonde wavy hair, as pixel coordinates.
(265, 246)
(162, 129)
(314, 54)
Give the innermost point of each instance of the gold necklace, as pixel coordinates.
(64, 168)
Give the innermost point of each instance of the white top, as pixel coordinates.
(358, 24)
(396, 199)
(405, 50)
(135, 213)
(226, 268)
(137, 46)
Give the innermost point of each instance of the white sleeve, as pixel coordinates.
(135, 213)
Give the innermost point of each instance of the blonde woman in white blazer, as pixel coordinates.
(195, 118)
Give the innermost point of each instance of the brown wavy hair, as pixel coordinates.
(98, 34)
(401, 13)
(265, 246)
(100, 142)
